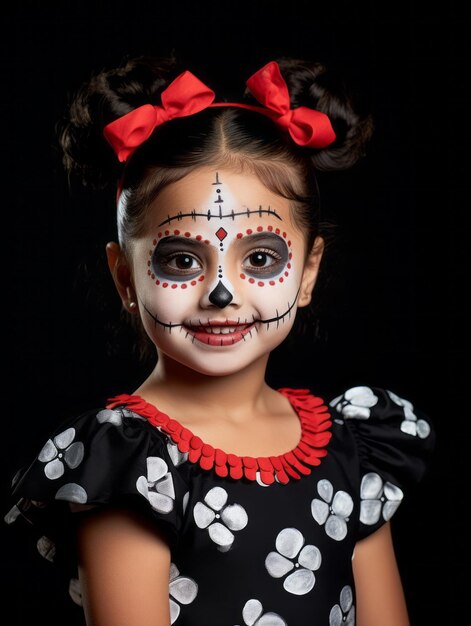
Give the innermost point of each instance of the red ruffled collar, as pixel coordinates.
(315, 428)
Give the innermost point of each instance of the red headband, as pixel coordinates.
(187, 95)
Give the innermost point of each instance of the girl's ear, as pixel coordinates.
(310, 272)
(122, 276)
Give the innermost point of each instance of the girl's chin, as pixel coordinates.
(209, 360)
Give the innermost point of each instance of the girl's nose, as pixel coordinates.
(220, 296)
(219, 291)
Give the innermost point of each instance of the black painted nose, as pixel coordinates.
(220, 296)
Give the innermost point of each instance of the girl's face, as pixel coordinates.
(220, 272)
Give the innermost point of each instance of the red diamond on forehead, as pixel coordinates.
(221, 233)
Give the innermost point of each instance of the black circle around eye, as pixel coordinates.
(258, 259)
(184, 262)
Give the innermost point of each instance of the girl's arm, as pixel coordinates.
(379, 594)
(124, 568)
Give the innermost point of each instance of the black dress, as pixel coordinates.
(254, 541)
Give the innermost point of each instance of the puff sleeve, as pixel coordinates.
(394, 443)
(104, 457)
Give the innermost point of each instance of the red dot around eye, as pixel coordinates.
(239, 235)
(198, 237)
(284, 235)
(277, 231)
(201, 278)
(259, 228)
(261, 283)
(159, 235)
(187, 234)
(176, 232)
(249, 231)
(242, 276)
(281, 279)
(251, 280)
(153, 276)
(154, 242)
(193, 282)
(174, 286)
(167, 232)
(164, 284)
(286, 273)
(270, 228)
(149, 272)
(150, 252)
(290, 255)
(207, 242)
(157, 282)
(288, 265)
(148, 263)
(183, 285)
(272, 282)
(289, 243)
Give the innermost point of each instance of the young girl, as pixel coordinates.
(205, 496)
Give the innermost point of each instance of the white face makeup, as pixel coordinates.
(217, 277)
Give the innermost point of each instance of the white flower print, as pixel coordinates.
(332, 510)
(289, 544)
(71, 492)
(110, 416)
(61, 450)
(343, 614)
(231, 517)
(355, 402)
(185, 501)
(378, 498)
(411, 425)
(75, 591)
(12, 515)
(181, 589)
(176, 456)
(115, 416)
(253, 615)
(46, 548)
(157, 486)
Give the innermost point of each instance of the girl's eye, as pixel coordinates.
(177, 266)
(183, 262)
(263, 261)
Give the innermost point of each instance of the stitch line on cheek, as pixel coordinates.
(165, 325)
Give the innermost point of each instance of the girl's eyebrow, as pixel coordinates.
(176, 240)
(264, 235)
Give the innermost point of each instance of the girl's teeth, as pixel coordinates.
(220, 331)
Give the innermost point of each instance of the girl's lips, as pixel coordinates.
(220, 334)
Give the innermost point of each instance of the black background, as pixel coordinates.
(393, 311)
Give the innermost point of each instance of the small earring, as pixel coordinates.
(132, 305)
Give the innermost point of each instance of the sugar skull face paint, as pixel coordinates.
(218, 275)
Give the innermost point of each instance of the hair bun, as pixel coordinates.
(311, 84)
(105, 97)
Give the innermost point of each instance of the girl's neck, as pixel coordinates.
(232, 396)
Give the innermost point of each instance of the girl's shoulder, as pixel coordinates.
(108, 455)
(393, 443)
(378, 414)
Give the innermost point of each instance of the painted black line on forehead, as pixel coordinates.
(220, 215)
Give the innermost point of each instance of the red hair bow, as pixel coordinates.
(306, 126)
(187, 95)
